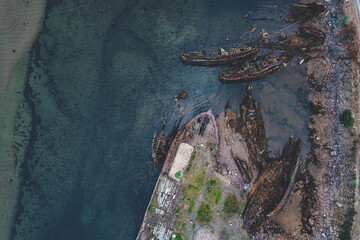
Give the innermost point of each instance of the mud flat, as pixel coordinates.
(20, 22)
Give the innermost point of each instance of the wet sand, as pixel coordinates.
(20, 22)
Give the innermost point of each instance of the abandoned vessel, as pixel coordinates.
(305, 12)
(272, 187)
(251, 70)
(310, 33)
(180, 178)
(219, 58)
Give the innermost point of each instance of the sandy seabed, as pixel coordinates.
(20, 21)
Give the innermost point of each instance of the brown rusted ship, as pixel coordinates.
(310, 33)
(219, 58)
(160, 221)
(305, 12)
(251, 70)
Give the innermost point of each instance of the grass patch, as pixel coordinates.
(204, 213)
(193, 187)
(212, 182)
(193, 156)
(150, 208)
(217, 197)
(346, 118)
(191, 205)
(178, 174)
(188, 168)
(344, 19)
(231, 205)
(213, 191)
(200, 178)
(345, 228)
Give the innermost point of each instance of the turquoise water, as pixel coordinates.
(102, 76)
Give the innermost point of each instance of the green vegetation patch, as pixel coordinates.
(189, 167)
(150, 208)
(344, 19)
(193, 156)
(200, 178)
(346, 118)
(345, 228)
(213, 191)
(204, 213)
(191, 205)
(194, 178)
(231, 205)
(178, 174)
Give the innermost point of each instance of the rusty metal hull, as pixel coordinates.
(160, 216)
(249, 76)
(219, 61)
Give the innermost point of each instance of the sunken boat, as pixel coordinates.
(272, 187)
(310, 33)
(305, 12)
(250, 70)
(220, 57)
(270, 179)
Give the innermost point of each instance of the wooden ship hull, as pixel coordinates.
(234, 75)
(288, 191)
(272, 187)
(219, 59)
(160, 218)
(310, 33)
(305, 12)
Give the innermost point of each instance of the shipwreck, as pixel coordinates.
(250, 70)
(220, 57)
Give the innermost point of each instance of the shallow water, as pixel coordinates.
(103, 75)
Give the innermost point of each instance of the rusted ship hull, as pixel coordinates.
(235, 78)
(179, 136)
(219, 61)
(305, 12)
(272, 187)
(310, 33)
(287, 193)
(160, 218)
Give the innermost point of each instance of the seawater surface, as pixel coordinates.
(102, 76)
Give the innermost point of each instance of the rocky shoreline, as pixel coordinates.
(329, 169)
